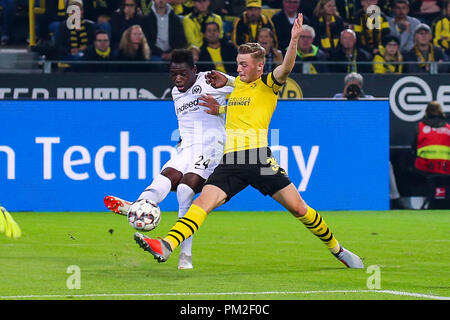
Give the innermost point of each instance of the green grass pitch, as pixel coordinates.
(237, 255)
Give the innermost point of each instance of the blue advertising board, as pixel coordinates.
(67, 155)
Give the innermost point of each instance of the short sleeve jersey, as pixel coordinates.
(195, 124)
(249, 111)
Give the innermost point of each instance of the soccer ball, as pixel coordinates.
(144, 215)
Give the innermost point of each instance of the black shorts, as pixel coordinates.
(255, 167)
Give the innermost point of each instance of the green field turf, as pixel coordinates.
(237, 255)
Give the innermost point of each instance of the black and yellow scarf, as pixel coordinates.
(421, 58)
(103, 54)
(353, 66)
(79, 38)
(328, 39)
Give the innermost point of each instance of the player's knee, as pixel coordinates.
(299, 210)
(210, 198)
(174, 176)
(194, 181)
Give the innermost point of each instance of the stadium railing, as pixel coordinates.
(48, 66)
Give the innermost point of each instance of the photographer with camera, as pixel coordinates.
(353, 88)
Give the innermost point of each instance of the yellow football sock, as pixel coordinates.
(315, 223)
(186, 226)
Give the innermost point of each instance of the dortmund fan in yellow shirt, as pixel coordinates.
(248, 159)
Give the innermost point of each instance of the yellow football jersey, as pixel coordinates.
(249, 111)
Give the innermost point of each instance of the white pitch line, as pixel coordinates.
(398, 293)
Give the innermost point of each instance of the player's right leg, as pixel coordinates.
(161, 185)
(157, 191)
(190, 184)
(185, 195)
(117, 205)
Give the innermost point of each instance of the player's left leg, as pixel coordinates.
(289, 198)
(210, 198)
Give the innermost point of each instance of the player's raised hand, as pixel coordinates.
(208, 101)
(8, 225)
(216, 79)
(297, 27)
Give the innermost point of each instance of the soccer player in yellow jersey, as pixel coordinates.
(247, 159)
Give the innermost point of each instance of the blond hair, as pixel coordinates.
(255, 49)
(126, 47)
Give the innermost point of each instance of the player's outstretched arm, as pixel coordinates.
(219, 80)
(8, 225)
(281, 72)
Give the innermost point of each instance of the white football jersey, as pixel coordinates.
(195, 125)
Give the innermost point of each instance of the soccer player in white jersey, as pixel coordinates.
(201, 148)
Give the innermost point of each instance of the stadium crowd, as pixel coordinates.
(404, 36)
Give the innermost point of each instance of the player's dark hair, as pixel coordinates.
(182, 56)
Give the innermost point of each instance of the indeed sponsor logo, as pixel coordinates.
(187, 106)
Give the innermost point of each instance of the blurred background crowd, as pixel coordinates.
(339, 36)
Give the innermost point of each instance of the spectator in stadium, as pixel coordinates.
(389, 58)
(347, 10)
(133, 47)
(274, 57)
(424, 52)
(328, 25)
(402, 25)
(370, 32)
(246, 28)
(432, 144)
(220, 52)
(441, 30)
(353, 88)
(309, 53)
(9, 17)
(427, 10)
(283, 21)
(349, 52)
(129, 14)
(193, 22)
(165, 30)
(99, 52)
(71, 42)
